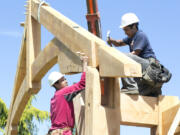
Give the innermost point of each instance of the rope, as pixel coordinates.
(42, 3)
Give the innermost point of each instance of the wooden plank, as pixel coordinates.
(69, 33)
(165, 103)
(138, 110)
(113, 63)
(99, 119)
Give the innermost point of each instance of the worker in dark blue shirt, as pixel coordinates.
(140, 51)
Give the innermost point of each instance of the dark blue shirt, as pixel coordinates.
(140, 42)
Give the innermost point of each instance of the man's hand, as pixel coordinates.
(109, 38)
(109, 41)
(84, 61)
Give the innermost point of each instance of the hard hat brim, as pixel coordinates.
(54, 77)
(57, 80)
(122, 26)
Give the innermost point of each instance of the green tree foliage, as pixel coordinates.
(3, 115)
(26, 125)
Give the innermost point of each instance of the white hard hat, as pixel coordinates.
(128, 19)
(53, 77)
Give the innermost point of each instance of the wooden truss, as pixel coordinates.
(101, 114)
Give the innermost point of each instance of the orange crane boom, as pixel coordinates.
(94, 26)
(93, 18)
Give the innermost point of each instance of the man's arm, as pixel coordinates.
(136, 52)
(72, 91)
(116, 42)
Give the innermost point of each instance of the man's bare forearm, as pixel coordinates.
(116, 42)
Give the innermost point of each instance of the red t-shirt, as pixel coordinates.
(62, 110)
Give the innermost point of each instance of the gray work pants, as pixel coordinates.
(136, 84)
(131, 83)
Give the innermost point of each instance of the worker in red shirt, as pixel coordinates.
(62, 110)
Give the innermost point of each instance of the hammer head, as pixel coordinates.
(108, 34)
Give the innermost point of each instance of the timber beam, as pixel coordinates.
(45, 60)
(21, 67)
(22, 99)
(138, 110)
(77, 39)
(135, 110)
(20, 74)
(168, 107)
(173, 125)
(69, 33)
(113, 63)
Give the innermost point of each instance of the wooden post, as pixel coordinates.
(100, 119)
(33, 47)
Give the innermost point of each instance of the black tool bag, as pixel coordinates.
(156, 74)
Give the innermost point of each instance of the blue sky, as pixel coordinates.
(159, 19)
